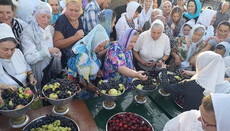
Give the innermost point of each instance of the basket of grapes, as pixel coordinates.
(111, 90)
(59, 93)
(52, 123)
(179, 100)
(16, 105)
(144, 88)
(127, 121)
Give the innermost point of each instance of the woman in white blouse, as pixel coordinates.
(152, 47)
(12, 62)
(37, 41)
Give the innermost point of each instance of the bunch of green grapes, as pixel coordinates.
(55, 126)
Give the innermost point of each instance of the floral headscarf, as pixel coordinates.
(124, 42)
(86, 63)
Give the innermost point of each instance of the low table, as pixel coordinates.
(78, 112)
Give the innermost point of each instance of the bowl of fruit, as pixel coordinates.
(52, 122)
(144, 88)
(126, 121)
(16, 104)
(172, 78)
(111, 90)
(59, 93)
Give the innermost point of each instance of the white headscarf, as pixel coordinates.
(191, 23)
(131, 9)
(210, 70)
(145, 16)
(157, 21)
(221, 105)
(227, 48)
(192, 47)
(205, 17)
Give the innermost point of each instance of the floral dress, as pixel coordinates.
(114, 59)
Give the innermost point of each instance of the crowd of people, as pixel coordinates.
(95, 42)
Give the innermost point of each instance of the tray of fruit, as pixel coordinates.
(110, 88)
(60, 89)
(52, 123)
(14, 100)
(179, 100)
(149, 84)
(173, 77)
(125, 121)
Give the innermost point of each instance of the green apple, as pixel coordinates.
(113, 92)
(103, 91)
(11, 103)
(139, 86)
(21, 96)
(121, 87)
(69, 92)
(20, 90)
(53, 96)
(118, 92)
(177, 77)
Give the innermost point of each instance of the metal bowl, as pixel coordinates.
(143, 92)
(110, 97)
(38, 122)
(122, 113)
(17, 112)
(59, 102)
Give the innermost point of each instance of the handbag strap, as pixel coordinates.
(15, 79)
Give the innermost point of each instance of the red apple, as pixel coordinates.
(29, 91)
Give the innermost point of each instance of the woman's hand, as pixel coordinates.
(99, 74)
(8, 87)
(159, 63)
(163, 66)
(141, 76)
(150, 63)
(187, 73)
(32, 80)
(79, 34)
(53, 50)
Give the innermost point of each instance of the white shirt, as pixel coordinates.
(15, 66)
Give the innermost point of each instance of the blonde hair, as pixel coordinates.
(78, 2)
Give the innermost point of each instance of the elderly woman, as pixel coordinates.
(119, 59)
(193, 10)
(37, 42)
(85, 66)
(12, 62)
(7, 9)
(185, 52)
(129, 19)
(167, 7)
(209, 78)
(152, 47)
(148, 23)
(213, 115)
(68, 30)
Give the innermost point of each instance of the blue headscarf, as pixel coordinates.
(198, 10)
(227, 48)
(86, 63)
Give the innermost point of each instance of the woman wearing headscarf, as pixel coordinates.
(12, 62)
(8, 9)
(68, 30)
(193, 10)
(152, 47)
(209, 78)
(212, 115)
(167, 7)
(146, 12)
(86, 65)
(56, 11)
(186, 51)
(128, 19)
(119, 59)
(37, 42)
(207, 19)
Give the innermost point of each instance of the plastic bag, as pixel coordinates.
(56, 64)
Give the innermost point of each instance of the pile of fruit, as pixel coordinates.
(60, 89)
(52, 123)
(179, 100)
(149, 84)
(172, 77)
(17, 99)
(127, 121)
(111, 87)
